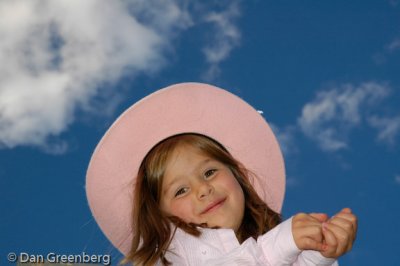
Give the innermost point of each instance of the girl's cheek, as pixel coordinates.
(167, 205)
(182, 210)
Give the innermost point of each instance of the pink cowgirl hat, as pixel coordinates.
(181, 108)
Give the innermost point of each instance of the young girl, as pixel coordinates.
(168, 185)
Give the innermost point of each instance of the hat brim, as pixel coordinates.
(181, 108)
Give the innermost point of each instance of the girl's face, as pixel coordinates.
(199, 189)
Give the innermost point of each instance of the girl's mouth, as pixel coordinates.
(213, 206)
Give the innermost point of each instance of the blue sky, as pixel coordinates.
(324, 73)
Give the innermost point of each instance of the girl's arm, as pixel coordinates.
(281, 247)
(278, 245)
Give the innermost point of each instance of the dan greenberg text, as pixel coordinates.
(57, 258)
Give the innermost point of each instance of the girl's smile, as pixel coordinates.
(199, 189)
(213, 206)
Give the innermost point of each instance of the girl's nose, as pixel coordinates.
(204, 190)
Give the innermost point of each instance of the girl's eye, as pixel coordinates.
(180, 191)
(209, 173)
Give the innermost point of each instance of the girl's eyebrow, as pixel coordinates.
(177, 178)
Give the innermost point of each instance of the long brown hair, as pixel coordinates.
(152, 230)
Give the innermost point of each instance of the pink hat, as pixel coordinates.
(180, 108)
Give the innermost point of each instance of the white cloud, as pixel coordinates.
(329, 118)
(388, 128)
(225, 38)
(55, 55)
(285, 138)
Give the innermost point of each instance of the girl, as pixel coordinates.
(176, 157)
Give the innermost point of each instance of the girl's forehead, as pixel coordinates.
(188, 159)
(186, 151)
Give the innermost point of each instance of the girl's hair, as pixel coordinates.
(152, 230)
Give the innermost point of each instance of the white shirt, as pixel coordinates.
(221, 247)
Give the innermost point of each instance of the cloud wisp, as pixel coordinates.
(56, 55)
(387, 52)
(394, 45)
(330, 117)
(388, 128)
(397, 179)
(225, 38)
(285, 137)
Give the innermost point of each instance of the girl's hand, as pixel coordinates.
(339, 233)
(307, 231)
